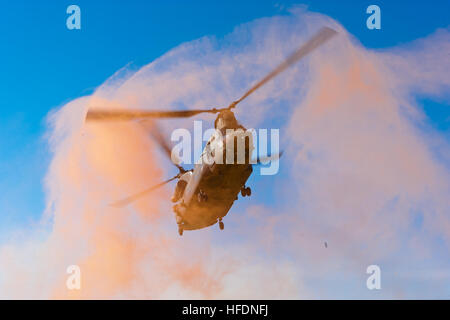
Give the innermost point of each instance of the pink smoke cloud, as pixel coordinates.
(359, 171)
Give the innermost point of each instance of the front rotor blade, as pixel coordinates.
(267, 159)
(319, 38)
(134, 197)
(126, 115)
(155, 132)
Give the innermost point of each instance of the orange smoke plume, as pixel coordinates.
(358, 173)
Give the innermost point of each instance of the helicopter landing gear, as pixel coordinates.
(180, 230)
(221, 225)
(246, 192)
(202, 197)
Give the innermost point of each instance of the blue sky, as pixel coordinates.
(46, 65)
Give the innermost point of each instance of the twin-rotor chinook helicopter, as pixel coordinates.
(205, 194)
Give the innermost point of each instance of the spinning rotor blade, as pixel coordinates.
(126, 115)
(269, 158)
(319, 38)
(134, 197)
(155, 132)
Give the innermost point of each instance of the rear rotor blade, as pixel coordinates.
(134, 197)
(126, 115)
(317, 40)
(155, 132)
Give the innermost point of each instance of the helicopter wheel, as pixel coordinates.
(221, 225)
(246, 192)
(180, 231)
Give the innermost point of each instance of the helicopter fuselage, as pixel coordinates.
(213, 186)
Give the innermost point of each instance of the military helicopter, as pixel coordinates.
(204, 195)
